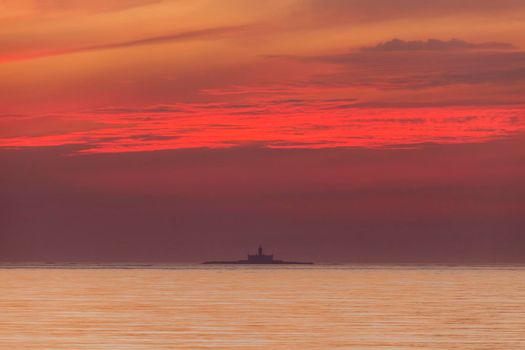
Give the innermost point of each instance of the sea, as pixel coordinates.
(262, 307)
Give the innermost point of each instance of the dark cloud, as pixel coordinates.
(489, 76)
(228, 106)
(436, 45)
(226, 126)
(421, 64)
(460, 120)
(401, 121)
(138, 110)
(298, 144)
(148, 137)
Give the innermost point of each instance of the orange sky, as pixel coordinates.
(329, 130)
(130, 75)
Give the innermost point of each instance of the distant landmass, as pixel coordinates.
(260, 258)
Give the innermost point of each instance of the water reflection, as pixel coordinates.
(318, 307)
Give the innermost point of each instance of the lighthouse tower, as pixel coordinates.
(260, 257)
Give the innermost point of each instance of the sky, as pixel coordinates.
(328, 130)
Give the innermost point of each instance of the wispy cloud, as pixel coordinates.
(316, 123)
(207, 33)
(436, 45)
(398, 64)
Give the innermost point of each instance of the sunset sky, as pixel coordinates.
(333, 130)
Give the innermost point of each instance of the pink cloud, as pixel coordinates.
(291, 123)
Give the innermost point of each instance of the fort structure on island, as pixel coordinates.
(260, 258)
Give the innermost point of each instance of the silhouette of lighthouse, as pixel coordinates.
(260, 257)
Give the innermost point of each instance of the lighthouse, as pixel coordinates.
(260, 258)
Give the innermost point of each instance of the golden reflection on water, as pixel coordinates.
(318, 307)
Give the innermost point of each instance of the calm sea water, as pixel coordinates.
(317, 307)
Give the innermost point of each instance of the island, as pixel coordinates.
(260, 259)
